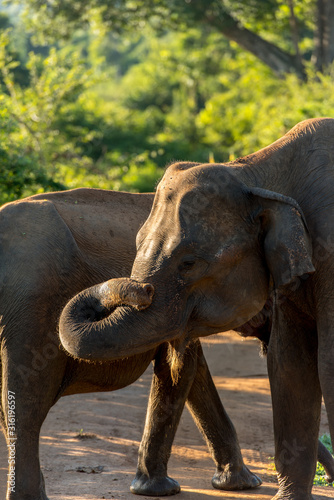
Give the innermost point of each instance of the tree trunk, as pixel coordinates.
(324, 39)
(294, 33)
(330, 32)
(278, 60)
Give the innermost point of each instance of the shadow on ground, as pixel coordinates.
(89, 442)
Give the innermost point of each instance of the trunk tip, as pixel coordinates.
(149, 289)
(146, 296)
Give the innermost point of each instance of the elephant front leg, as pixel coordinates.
(165, 406)
(296, 398)
(28, 391)
(326, 360)
(215, 425)
(166, 403)
(21, 428)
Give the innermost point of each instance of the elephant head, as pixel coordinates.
(205, 257)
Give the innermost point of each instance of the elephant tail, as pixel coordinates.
(327, 461)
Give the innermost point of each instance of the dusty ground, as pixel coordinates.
(115, 422)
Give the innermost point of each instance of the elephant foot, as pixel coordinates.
(283, 495)
(18, 494)
(230, 480)
(155, 486)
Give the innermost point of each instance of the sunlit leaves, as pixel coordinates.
(32, 145)
(112, 105)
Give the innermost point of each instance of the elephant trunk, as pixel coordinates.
(105, 321)
(124, 291)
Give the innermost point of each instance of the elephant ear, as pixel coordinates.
(287, 243)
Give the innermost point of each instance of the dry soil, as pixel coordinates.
(111, 425)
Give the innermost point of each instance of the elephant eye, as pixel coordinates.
(187, 264)
(192, 268)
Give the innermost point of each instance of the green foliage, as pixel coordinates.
(269, 19)
(60, 17)
(257, 109)
(31, 145)
(108, 110)
(320, 473)
(20, 174)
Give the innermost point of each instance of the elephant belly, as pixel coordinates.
(83, 377)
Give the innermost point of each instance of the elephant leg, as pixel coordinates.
(165, 406)
(164, 411)
(326, 359)
(296, 398)
(211, 418)
(28, 392)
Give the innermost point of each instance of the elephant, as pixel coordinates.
(260, 327)
(52, 246)
(221, 238)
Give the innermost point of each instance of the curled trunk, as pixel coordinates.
(110, 321)
(123, 291)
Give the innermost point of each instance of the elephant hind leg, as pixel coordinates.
(214, 423)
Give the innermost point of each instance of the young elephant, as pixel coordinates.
(52, 246)
(217, 236)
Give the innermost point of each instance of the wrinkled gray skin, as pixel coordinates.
(260, 326)
(52, 246)
(217, 236)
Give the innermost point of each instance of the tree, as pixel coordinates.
(277, 32)
(324, 38)
(111, 105)
(32, 145)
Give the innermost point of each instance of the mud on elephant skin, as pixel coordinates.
(52, 246)
(217, 235)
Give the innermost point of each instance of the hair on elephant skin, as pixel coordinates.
(218, 239)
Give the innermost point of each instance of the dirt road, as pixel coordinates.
(114, 423)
